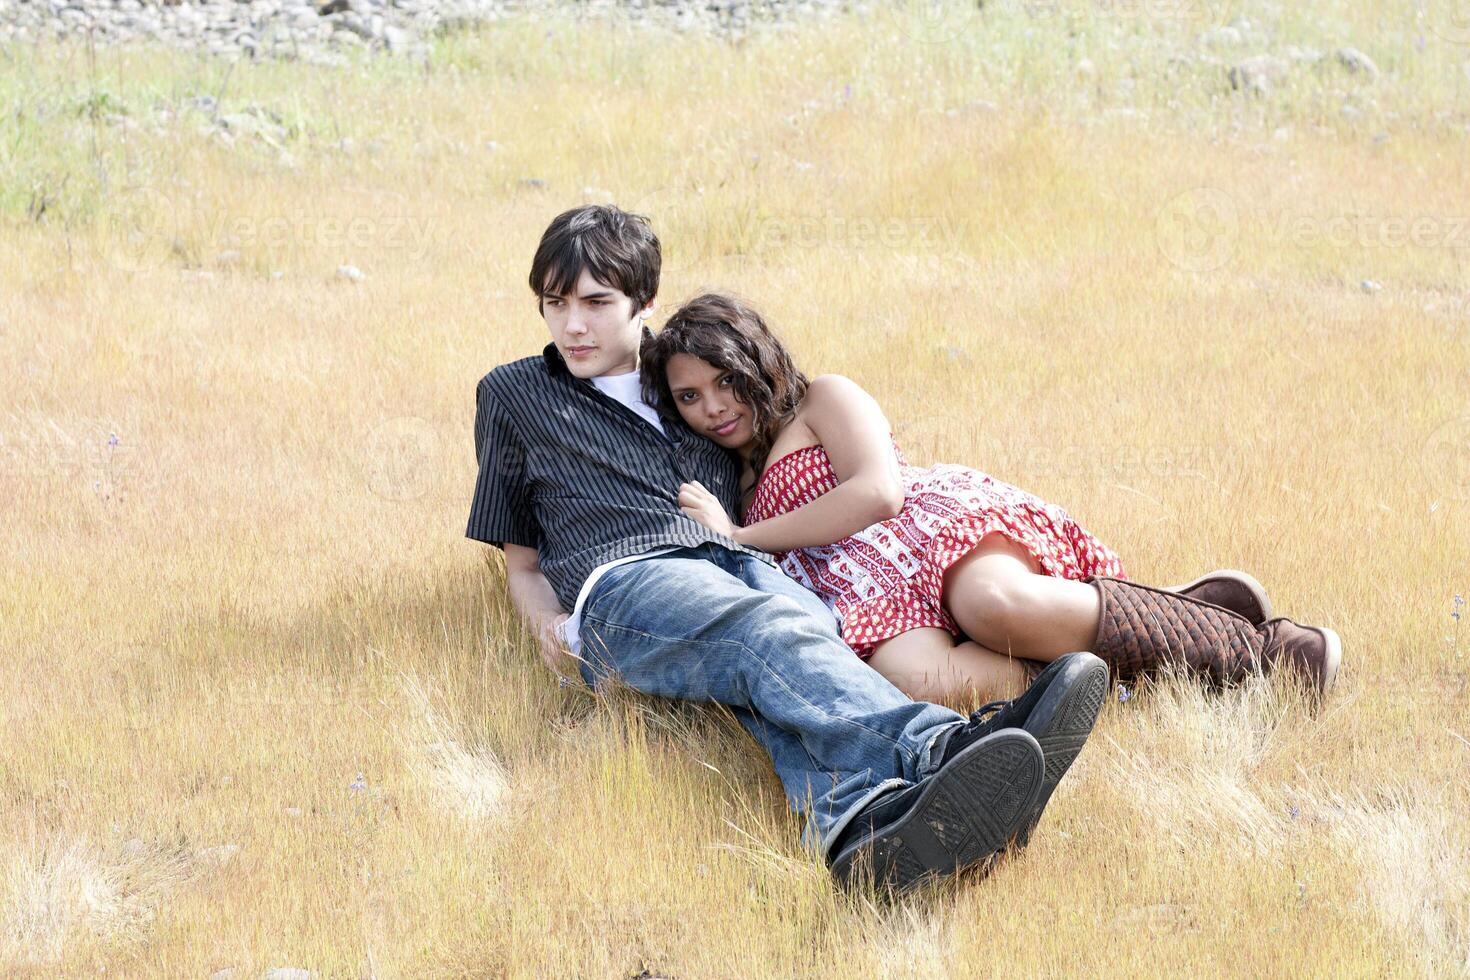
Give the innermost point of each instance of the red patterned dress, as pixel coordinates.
(887, 579)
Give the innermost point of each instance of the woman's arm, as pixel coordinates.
(856, 435)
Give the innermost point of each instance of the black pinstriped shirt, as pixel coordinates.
(568, 470)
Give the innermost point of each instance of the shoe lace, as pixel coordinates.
(986, 710)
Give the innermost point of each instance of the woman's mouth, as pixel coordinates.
(727, 428)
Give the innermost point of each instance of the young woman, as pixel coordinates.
(950, 583)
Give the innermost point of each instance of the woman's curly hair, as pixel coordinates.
(729, 335)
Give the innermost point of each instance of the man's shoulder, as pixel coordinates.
(515, 376)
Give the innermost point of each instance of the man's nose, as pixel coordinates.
(575, 323)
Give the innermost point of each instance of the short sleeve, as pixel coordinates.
(500, 512)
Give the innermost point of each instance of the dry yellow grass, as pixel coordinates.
(1152, 316)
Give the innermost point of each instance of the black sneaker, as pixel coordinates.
(1059, 709)
(957, 817)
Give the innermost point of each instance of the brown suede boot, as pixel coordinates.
(1142, 628)
(1230, 589)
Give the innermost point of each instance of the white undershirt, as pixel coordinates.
(627, 389)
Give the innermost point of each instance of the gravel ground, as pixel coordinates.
(322, 31)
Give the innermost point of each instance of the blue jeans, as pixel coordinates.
(709, 624)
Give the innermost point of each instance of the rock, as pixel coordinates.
(1357, 63)
(1259, 73)
(286, 973)
(536, 183)
(350, 272)
(226, 974)
(1371, 286)
(1221, 37)
(396, 39)
(1302, 56)
(219, 855)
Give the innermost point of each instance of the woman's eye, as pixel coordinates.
(727, 381)
(686, 397)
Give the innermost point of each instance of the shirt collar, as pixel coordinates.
(556, 365)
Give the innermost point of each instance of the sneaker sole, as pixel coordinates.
(1062, 721)
(1252, 584)
(966, 812)
(1332, 660)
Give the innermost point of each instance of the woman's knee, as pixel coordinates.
(988, 594)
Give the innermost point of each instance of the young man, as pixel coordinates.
(578, 484)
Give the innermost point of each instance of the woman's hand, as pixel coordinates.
(704, 507)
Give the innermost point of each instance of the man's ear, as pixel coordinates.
(647, 311)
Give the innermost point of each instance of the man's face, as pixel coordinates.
(596, 328)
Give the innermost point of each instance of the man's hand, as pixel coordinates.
(554, 652)
(698, 503)
(537, 603)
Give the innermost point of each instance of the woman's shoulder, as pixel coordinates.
(829, 395)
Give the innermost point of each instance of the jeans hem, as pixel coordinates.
(933, 749)
(851, 812)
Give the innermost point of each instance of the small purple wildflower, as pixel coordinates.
(1124, 694)
(359, 783)
(112, 439)
(1455, 608)
(1293, 812)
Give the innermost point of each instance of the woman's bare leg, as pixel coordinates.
(928, 665)
(998, 597)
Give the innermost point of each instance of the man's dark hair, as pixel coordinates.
(618, 248)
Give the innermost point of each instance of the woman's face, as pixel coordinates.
(705, 396)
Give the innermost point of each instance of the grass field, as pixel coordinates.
(1221, 327)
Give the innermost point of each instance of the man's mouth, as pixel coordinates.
(727, 428)
(579, 351)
